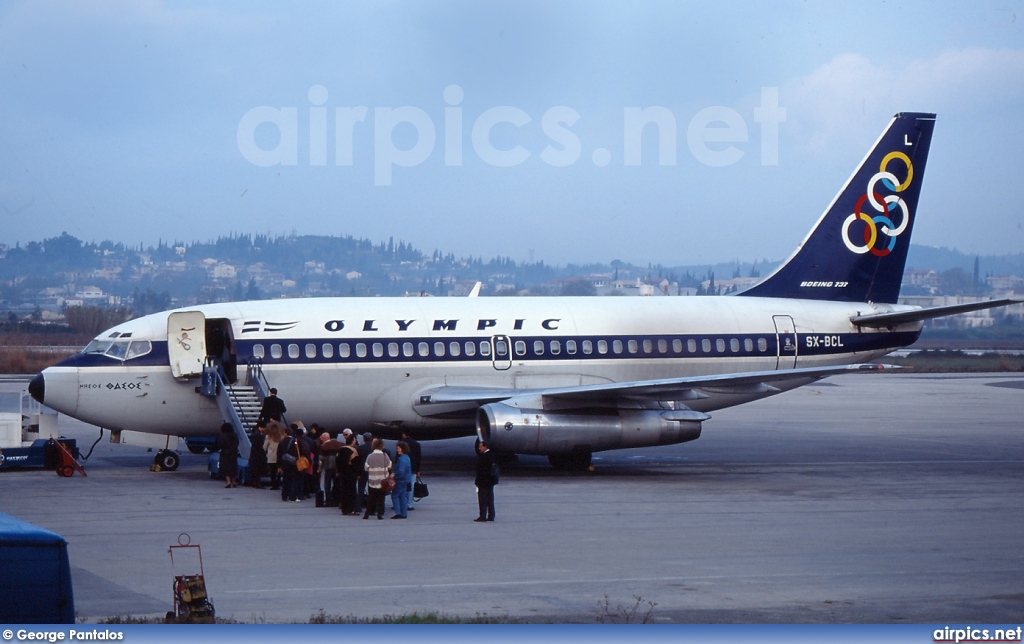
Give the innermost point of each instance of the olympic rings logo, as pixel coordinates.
(887, 206)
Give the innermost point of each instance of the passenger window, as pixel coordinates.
(378, 350)
(310, 351)
(360, 350)
(748, 345)
(485, 348)
(470, 348)
(662, 346)
(632, 346)
(408, 350)
(439, 349)
(538, 347)
(602, 346)
(344, 350)
(720, 345)
(139, 348)
(258, 351)
(393, 349)
(762, 345)
(677, 345)
(424, 349)
(293, 351)
(275, 351)
(691, 346)
(705, 345)
(556, 347)
(327, 350)
(617, 346)
(570, 347)
(520, 348)
(649, 346)
(734, 345)
(454, 348)
(588, 347)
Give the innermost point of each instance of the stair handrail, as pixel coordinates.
(236, 402)
(212, 371)
(258, 381)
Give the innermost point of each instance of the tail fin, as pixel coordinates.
(857, 250)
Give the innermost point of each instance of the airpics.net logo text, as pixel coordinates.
(715, 136)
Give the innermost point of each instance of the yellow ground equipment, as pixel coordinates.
(191, 603)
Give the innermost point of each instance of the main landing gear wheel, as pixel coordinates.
(196, 449)
(574, 462)
(167, 460)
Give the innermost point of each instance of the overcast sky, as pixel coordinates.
(488, 128)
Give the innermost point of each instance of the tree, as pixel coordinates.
(251, 292)
(93, 319)
(578, 287)
(955, 281)
(150, 302)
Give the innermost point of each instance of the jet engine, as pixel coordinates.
(537, 431)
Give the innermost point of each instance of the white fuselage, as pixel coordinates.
(363, 363)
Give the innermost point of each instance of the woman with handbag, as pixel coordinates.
(377, 466)
(293, 453)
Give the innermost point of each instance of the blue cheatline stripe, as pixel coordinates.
(421, 350)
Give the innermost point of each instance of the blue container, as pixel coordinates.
(35, 576)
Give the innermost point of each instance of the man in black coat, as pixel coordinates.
(486, 479)
(273, 408)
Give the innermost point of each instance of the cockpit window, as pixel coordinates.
(139, 348)
(97, 346)
(118, 350)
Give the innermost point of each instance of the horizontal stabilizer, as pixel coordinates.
(896, 318)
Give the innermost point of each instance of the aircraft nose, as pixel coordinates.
(37, 388)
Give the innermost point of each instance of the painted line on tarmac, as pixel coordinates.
(618, 580)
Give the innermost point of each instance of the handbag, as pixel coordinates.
(388, 484)
(289, 459)
(419, 490)
(302, 463)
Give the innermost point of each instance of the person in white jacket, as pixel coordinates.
(378, 464)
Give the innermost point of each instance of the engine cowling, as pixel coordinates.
(536, 431)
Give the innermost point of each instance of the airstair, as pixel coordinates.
(240, 403)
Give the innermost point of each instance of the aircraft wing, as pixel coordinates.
(882, 320)
(688, 388)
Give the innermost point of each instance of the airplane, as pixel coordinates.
(563, 377)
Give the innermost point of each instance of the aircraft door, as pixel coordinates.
(785, 340)
(501, 352)
(220, 344)
(186, 343)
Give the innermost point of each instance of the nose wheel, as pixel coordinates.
(166, 460)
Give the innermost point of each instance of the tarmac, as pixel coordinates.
(867, 498)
